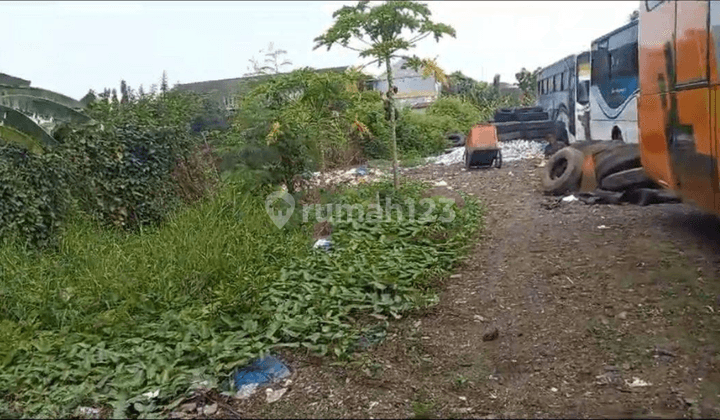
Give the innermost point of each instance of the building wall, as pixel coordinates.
(412, 90)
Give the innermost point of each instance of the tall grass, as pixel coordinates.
(111, 315)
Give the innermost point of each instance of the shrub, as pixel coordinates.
(122, 174)
(34, 195)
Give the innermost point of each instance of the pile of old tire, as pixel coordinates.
(534, 113)
(527, 123)
(617, 167)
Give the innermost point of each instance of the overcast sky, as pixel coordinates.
(71, 47)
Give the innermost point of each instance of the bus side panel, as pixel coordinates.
(656, 34)
(655, 45)
(691, 152)
(653, 146)
(691, 41)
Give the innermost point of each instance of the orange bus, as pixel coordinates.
(678, 105)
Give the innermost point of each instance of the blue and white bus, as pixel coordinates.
(614, 85)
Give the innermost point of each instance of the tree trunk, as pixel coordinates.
(393, 125)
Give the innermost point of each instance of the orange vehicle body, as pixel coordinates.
(679, 99)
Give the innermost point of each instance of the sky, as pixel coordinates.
(72, 47)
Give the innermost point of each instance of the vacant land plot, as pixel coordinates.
(562, 310)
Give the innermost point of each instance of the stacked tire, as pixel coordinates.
(527, 123)
(617, 167)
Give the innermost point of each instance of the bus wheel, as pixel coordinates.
(616, 134)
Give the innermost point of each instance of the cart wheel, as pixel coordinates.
(466, 156)
(498, 160)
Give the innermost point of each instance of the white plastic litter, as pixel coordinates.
(246, 391)
(569, 199)
(273, 396)
(511, 151)
(322, 243)
(637, 382)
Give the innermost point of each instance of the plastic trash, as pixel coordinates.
(361, 171)
(324, 244)
(262, 371)
(569, 199)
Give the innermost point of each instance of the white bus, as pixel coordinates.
(614, 86)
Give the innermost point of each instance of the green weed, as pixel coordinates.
(111, 317)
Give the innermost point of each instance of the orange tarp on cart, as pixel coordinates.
(482, 136)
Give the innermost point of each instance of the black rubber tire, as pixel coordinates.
(456, 139)
(498, 160)
(616, 159)
(569, 177)
(528, 109)
(593, 147)
(532, 116)
(623, 180)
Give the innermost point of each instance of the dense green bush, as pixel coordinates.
(34, 195)
(426, 134)
(122, 174)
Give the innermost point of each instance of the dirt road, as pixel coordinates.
(601, 311)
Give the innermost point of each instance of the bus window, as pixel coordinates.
(651, 4)
(562, 81)
(583, 93)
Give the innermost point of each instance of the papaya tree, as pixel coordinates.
(380, 33)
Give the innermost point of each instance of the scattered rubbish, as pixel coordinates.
(246, 391)
(569, 199)
(441, 184)
(491, 334)
(463, 398)
(151, 394)
(603, 227)
(622, 315)
(88, 412)
(553, 389)
(274, 395)
(511, 151)
(188, 407)
(456, 276)
(262, 371)
(211, 409)
(373, 404)
(324, 244)
(479, 318)
(350, 176)
(637, 382)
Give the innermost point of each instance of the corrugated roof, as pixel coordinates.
(237, 84)
(6, 79)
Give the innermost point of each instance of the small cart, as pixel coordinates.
(482, 148)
